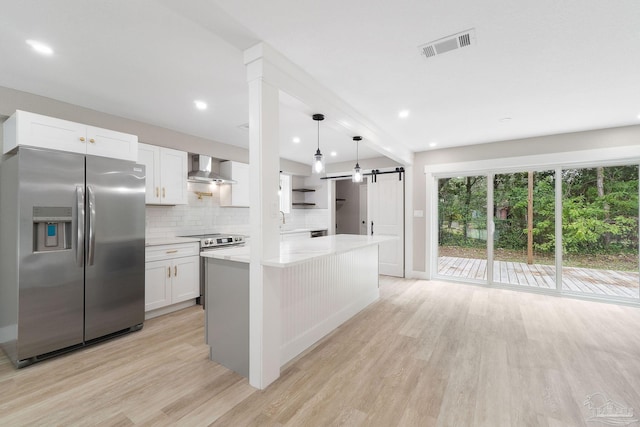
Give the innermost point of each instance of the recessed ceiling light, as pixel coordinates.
(403, 114)
(40, 47)
(333, 154)
(200, 105)
(433, 144)
(638, 116)
(296, 140)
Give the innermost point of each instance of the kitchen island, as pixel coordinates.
(322, 282)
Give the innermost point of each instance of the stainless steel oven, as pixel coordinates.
(212, 242)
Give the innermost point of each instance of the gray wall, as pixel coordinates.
(576, 141)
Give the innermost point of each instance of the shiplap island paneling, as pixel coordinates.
(322, 282)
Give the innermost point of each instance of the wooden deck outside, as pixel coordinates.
(583, 280)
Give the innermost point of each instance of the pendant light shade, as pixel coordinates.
(357, 173)
(318, 162)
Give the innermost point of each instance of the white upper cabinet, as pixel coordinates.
(166, 168)
(35, 130)
(235, 194)
(149, 156)
(173, 176)
(109, 143)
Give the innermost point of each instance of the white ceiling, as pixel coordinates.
(550, 66)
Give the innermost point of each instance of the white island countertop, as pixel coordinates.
(157, 241)
(300, 251)
(301, 230)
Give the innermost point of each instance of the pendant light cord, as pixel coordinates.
(357, 139)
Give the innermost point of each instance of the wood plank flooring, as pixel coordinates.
(428, 353)
(582, 280)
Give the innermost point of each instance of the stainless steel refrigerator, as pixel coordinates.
(72, 230)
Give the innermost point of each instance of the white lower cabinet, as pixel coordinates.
(172, 274)
(186, 279)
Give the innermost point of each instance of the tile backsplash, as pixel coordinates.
(206, 215)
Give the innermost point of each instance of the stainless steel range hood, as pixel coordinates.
(201, 171)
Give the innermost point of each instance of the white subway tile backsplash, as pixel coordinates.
(206, 215)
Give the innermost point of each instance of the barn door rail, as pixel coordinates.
(374, 173)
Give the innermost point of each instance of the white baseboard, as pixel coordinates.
(422, 275)
(169, 309)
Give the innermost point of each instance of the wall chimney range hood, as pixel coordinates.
(201, 171)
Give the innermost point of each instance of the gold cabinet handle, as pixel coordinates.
(82, 139)
(169, 271)
(164, 193)
(157, 192)
(175, 271)
(92, 140)
(172, 252)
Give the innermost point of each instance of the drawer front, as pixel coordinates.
(160, 252)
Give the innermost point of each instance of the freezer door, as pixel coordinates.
(50, 270)
(114, 272)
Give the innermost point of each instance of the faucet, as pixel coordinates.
(283, 221)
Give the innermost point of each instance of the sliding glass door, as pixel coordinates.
(462, 227)
(600, 231)
(592, 211)
(524, 235)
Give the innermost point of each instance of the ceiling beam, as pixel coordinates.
(296, 82)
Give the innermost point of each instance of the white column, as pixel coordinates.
(264, 161)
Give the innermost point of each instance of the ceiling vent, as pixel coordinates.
(449, 43)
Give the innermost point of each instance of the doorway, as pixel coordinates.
(351, 207)
(374, 207)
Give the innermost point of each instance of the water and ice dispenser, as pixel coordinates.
(51, 228)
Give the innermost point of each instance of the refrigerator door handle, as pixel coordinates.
(80, 223)
(92, 227)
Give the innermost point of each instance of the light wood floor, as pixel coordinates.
(582, 280)
(428, 353)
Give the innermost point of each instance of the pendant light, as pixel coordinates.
(357, 174)
(318, 163)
